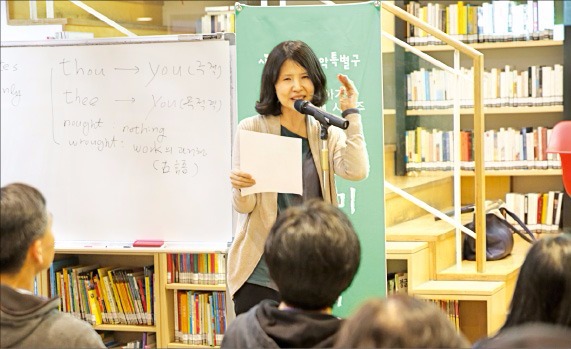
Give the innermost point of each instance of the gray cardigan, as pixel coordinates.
(29, 321)
(257, 212)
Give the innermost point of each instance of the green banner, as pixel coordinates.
(346, 38)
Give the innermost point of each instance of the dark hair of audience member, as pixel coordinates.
(543, 289)
(313, 253)
(24, 220)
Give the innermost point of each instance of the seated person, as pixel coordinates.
(399, 321)
(530, 335)
(542, 293)
(26, 249)
(312, 253)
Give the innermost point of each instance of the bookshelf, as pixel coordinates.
(520, 51)
(496, 45)
(178, 291)
(200, 17)
(410, 257)
(163, 328)
(515, 173)
(130, 259)
(482, 304)
(489, 111)
(483, 301)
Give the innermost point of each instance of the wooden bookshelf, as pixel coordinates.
(163, 292)
(515, 173)
(182, 345)
(482, 304)
(125, 328)
(495, 45)
(430, 176)
(167, 294)
(120, 257)
(488, 110)
(195, 287)
(410, 256)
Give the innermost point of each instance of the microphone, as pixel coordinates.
(305, 107)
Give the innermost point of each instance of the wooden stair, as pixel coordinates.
(505, 270)
(400, 210)
(427, 248)
(438, 235)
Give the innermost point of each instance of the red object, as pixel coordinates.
(560, 142)
(148, 243)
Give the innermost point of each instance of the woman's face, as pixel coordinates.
(293, 83)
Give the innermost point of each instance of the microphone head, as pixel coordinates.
(300, 105)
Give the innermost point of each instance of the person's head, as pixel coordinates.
(312, 253)
(399, 321)
(531, 335)
(25, 230)
(543, 289)
(292, 71)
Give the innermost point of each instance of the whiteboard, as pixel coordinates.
(126, 139)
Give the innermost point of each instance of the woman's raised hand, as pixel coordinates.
(348, 94)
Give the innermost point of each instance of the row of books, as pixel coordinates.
(218, 19)
(451, 308)
(196, 268)
(148, 341)
(533, 86)
(103, 295)
(541, 212)
(397, 282)
(504, 149)
(199, 317)
(495, 21)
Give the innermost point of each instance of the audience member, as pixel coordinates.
(399, 321)
(543, 290)
(312, 253)
(27, 248)
(530, 335)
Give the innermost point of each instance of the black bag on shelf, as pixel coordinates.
(499, 236)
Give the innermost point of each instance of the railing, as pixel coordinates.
(479, 178)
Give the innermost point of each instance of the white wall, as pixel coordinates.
(24, 32)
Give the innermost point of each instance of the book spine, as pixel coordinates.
(96, 318)
(120, 312)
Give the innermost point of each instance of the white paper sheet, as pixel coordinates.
(273, 161)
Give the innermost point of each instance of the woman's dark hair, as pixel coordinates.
(299, 52)
(543, 289)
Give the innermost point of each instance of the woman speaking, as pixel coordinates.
(292, 72)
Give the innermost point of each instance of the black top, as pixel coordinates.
(311, 184)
